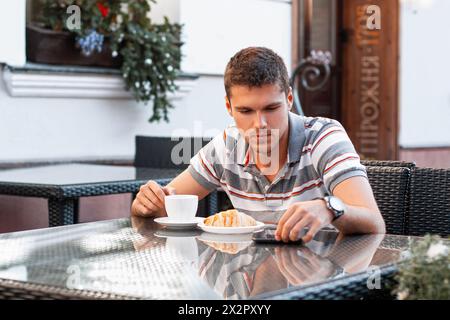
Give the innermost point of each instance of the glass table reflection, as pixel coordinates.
(137, 258)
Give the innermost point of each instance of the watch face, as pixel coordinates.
(337, 204)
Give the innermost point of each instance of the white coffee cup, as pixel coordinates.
(181, 207)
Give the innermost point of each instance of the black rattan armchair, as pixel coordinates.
(391, 189)
(430, 202)
(156, 152)
(388, 163)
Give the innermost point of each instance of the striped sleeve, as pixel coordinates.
(206, 167)
(333, 155)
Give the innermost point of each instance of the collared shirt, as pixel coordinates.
(320, 156)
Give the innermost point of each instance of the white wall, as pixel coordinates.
(216, 29)
(39, 129)
(43, 128)
(12, 32)
(424, 74)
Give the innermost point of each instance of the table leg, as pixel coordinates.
(62, 211)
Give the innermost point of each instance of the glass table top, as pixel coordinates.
(69, 174)
(137, 257)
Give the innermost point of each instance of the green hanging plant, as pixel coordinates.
(151, 53)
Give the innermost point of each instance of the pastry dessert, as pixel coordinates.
(230, 218)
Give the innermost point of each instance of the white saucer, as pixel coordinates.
(242, 238)
(165, 221)
(230, 230)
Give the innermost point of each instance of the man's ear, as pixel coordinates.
(290, 98)
(228, 105)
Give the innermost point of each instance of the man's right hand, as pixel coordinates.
(149, 201)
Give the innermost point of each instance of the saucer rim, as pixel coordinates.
(231, 230)
(204, 237)
(166, 220)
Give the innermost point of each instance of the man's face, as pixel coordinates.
(261, 115)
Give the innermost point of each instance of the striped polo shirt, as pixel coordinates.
(320, 156)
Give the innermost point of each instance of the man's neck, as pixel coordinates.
(274, 165)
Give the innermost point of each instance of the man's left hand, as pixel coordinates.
(313, 214)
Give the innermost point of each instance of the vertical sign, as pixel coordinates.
(370, 76)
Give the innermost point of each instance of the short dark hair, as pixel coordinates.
(255, 67)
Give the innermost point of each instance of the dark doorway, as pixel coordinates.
(316, 56)
(346, 70)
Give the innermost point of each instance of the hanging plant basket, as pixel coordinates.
(117, 34)
(58, 47)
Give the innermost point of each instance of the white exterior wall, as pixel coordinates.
(424, 74)
(12, 32)
(39, 129)
(56, 128)
(216, 29)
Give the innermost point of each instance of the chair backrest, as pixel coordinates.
(430, 202)
(388, 163)
(390, 186)
(156, 152)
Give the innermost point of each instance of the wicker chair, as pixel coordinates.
(430, 202)
(391, 188)
(155, 152)
(388, 163)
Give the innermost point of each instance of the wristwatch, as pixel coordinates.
(335, 205)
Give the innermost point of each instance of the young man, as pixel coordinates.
(275, 165)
